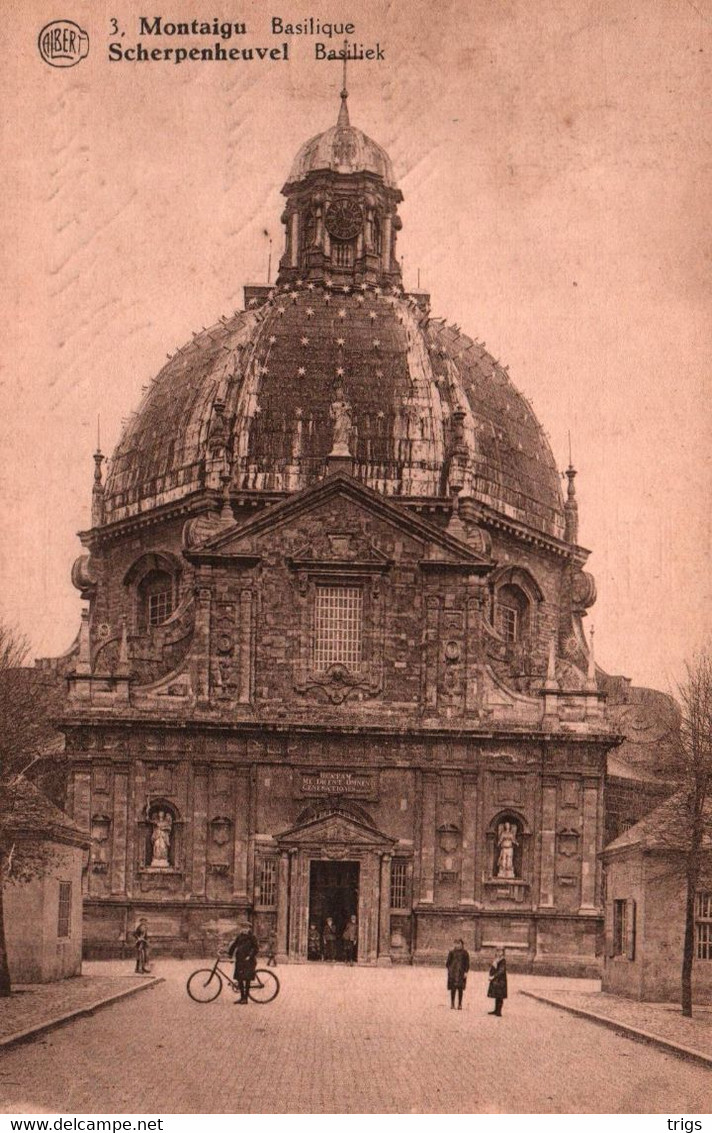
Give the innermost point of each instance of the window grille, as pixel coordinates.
(64, 912)
(620, 928)
(703, 926)
(399, 885)
(268, 882)
(160, 607)
(337, 627)
(508, 623)
(343, 254)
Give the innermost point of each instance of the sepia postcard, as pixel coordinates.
(355, 578)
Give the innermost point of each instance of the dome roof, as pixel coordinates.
(342, 149)
(261, 386)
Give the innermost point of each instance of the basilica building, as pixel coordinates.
(332, 660)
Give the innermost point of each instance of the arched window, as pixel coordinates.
(156, 598)
(511, 614)
(153, 583)
(516, 601)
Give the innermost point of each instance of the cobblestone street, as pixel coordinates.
(340, 1040)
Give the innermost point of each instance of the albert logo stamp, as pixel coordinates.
(62, 43)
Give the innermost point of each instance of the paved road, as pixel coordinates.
(342, 1040)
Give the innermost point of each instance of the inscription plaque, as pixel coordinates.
(354, 784)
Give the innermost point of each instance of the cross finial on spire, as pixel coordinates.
(343, 119)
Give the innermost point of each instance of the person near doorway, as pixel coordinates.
(350, 938)
(458, 965)
(140, 934)
(244, 949)
(498, 981)
(272, 950)
(329, 936)
(314, 943)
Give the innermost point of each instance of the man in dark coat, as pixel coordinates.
(141, 937)
(329, 938)
(244, 948)
(498, 982)
(458, 965)
(350, 938)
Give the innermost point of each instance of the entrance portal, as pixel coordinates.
(333, 892)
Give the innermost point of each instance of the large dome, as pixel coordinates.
(337, 360)
(263, 383)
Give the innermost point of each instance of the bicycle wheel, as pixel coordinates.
(204, 985)
(264, 986)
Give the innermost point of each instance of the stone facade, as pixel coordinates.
(408, 765)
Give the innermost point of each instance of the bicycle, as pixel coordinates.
(205, 984)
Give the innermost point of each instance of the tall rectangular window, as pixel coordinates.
(338, 614)
(399, 885)
(64, 912)
(703, 926)
(268, 882)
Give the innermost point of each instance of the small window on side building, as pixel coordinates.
(703, 926)
(64, 911)
(619, 927)
(623, 943)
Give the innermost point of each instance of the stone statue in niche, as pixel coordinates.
(162, 822)
(342, 416)
(506, 841)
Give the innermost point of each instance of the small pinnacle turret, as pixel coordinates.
(97, 494)
(571, 518)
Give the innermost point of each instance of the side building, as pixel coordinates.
(646, 886)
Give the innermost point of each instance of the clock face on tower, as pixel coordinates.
(344, 219)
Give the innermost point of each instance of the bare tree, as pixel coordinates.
(695, 774)
(27, 704)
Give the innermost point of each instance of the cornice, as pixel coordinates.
(285, 727)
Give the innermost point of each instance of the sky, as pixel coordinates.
(554, 156)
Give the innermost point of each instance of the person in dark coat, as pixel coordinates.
(458, 965)
(272, 950)
(498, 982)
(140, 934)
(244, 948)
(314, 943)
(329, 937)
(350, 939)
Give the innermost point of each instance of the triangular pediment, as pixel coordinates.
(243, 540)
(335, 829)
